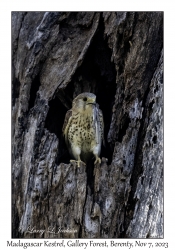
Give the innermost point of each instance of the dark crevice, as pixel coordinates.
(134, 23)
(80, 231)
(33, 91)
(124, 126)
(142, 179)
(15, 90)
(15, 224)
(54, 123)
(151, 105)
(90, 175)
(155, 139)
(148, 235)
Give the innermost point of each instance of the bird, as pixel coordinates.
(83, 129)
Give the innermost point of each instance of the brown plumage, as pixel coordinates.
(83, 128)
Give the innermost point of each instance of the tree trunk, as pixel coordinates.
(117, 56)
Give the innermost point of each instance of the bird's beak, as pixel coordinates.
(93, 103)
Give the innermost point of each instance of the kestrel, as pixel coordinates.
(83, 129)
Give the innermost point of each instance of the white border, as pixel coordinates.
(5, 96)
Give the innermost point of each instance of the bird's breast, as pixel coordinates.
(82, 132)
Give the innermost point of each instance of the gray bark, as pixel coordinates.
(119, 57)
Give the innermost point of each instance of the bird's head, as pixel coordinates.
(84, 101)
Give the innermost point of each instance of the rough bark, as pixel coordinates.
(119, 57)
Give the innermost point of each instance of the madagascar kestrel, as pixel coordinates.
(83, 129)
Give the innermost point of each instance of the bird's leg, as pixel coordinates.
(96, 152)
(78, 162)
(97, 159)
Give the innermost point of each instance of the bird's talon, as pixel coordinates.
(72, 161)
(98, 160)
(78, 162)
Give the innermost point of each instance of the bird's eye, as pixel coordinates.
(85, 99)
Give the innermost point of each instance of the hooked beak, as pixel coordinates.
(93, 103)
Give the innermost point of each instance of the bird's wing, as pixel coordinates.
(101, 125)
(66, 124)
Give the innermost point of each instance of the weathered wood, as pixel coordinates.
(118, 56)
